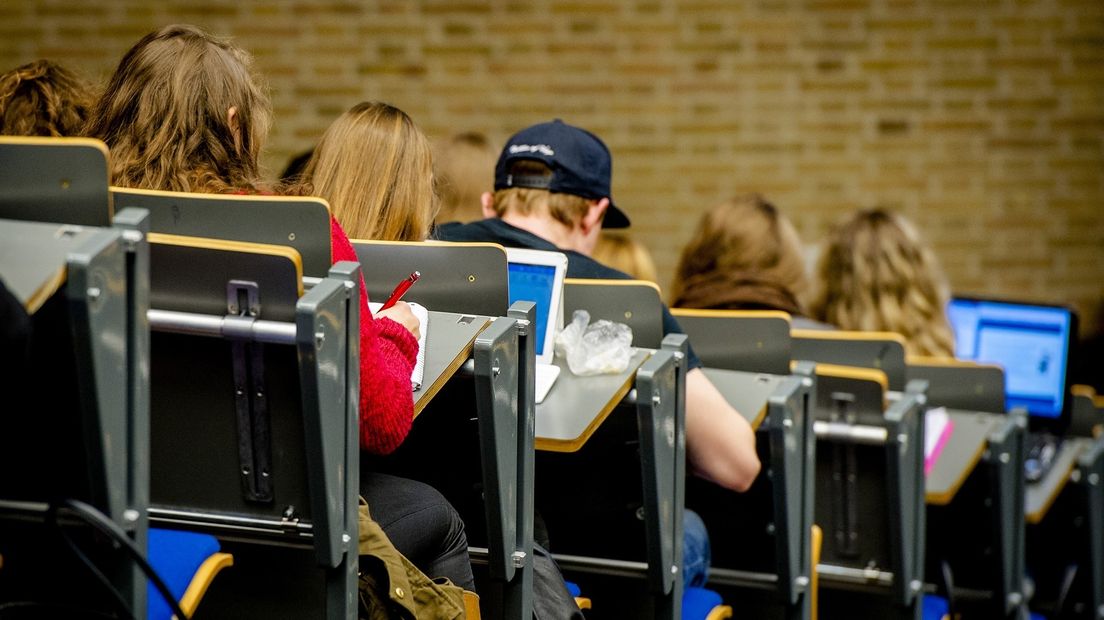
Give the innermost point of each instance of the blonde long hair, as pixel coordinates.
(743, 239)
(877, 275)
(375, 168)
(42, 98)
(165, 114)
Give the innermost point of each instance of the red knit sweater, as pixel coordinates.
(387, 354)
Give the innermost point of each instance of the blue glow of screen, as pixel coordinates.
(534, 283)
(1030, 342)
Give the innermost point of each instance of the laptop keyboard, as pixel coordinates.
(544, 376)
(1040, 450)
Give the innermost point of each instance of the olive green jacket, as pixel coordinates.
(391, 587)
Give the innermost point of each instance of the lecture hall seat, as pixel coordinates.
(703, 604)
(188, 563)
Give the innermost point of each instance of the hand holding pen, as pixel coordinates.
(401, 290)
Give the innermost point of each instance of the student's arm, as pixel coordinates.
(403, 315)
(387, 354)
(720, 445)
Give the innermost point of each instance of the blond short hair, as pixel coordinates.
(464, 167)
(626, 254)
(567, 209)
(877, 275)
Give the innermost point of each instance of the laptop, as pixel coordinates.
(1032, 342)
(538, 276)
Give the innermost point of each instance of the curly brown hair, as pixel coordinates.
(42, 98)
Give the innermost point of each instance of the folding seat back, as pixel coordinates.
(884, 351)
(466, 278)
(60, 180)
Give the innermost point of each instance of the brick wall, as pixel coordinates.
(983, 120)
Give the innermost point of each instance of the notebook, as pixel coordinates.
(538, 276)
(1032, 342)
(938, 427)
(422, 314)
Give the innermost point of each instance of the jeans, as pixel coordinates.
(422, 525)
(695, 550)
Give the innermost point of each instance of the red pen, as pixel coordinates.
(401, 290)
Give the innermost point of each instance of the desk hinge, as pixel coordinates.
(250, 397)
(844, 483)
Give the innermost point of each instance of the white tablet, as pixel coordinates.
(538, 276)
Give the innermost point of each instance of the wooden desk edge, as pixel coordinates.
(46, 290)
(757, 421)
(944, 498)
(450, 370)
(573, 445)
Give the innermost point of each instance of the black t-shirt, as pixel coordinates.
(578, 265)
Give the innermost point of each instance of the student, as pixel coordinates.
(464, 165)
(184, 112)
(374, 166)
(552, 192)
(42, 98)
(626, 254)
(877, 275)
(744, 255)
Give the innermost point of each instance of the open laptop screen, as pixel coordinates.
(534, 283)
(1032, 342)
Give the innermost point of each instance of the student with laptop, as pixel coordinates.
(1032, 342)
(538, 277)
(552, 192)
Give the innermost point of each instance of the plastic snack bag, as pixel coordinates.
(603, 347)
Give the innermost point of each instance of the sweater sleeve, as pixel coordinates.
(387, 354)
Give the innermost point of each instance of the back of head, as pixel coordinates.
(741, 246)
(564, 208)
(166, 114)
(554, 169)
(877, 275)
(625, 254)
(43, 98)
(375, 168)
(464, 166)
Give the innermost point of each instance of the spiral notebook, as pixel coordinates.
(422, 314)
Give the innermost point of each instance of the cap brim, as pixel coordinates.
(615, 218)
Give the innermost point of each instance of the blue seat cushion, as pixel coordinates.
(698, 602)
(935, 607)
(176, 556)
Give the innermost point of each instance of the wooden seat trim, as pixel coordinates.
(207, 243)
(202, 579)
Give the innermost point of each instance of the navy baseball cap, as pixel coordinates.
(580, 162)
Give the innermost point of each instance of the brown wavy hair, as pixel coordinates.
(165, 114)
(42, 98)
(375, 168)
(877, 275)
(744, 254)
